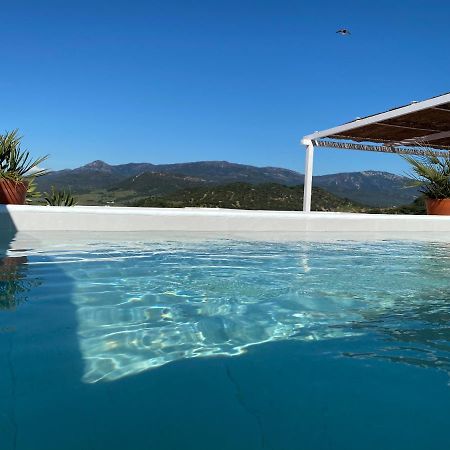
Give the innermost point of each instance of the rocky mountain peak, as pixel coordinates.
(97, 166)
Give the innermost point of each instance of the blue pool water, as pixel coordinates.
(225, 344)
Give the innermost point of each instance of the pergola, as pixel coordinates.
(419, 128)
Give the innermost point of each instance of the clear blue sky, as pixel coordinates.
(243, 81)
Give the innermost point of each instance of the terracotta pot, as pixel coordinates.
(13, 192)
(438, 206)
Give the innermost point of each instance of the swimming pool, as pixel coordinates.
(112, 342)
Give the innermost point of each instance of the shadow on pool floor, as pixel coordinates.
(283, 396)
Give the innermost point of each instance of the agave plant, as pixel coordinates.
(432, 174)
(33, 194)
(59, 198)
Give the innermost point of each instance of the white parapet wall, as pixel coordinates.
(103, 219)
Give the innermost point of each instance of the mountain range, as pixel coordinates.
(138, 180)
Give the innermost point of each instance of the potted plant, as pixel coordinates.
(17, 170)
(432, 174)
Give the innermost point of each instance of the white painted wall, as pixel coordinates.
(93, 218)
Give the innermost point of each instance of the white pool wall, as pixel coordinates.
(104, 219)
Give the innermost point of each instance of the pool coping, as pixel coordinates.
(129, 219)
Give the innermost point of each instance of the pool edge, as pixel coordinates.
(98, 218)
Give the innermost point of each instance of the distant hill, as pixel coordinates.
(149, 183)
(95, 175)
(222, 172)
(100, 175)
(417, 207)
(269, 196)
(379, 189)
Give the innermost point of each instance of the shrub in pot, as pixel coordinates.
(432, 174)
(18, 170)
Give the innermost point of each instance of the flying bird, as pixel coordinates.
(343, 32)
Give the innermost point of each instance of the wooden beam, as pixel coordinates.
(384, 124)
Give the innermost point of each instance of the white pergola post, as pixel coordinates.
(307, 190)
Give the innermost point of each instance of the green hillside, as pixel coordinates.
(268, 196)
(154, 183)
(417, 207)
(374, 188)
(100, 182)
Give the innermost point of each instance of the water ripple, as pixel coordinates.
(142, 305)
(149, 307)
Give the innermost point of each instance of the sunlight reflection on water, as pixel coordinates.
(142, 306)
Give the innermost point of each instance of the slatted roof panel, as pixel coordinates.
(420, 123)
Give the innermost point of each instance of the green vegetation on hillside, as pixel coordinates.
(154, 183)
(416, 207)
(372, 188)
(101, 183)
(269, 196)
(219, 184)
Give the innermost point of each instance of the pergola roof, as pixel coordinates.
(420, 128)
(425, 123)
